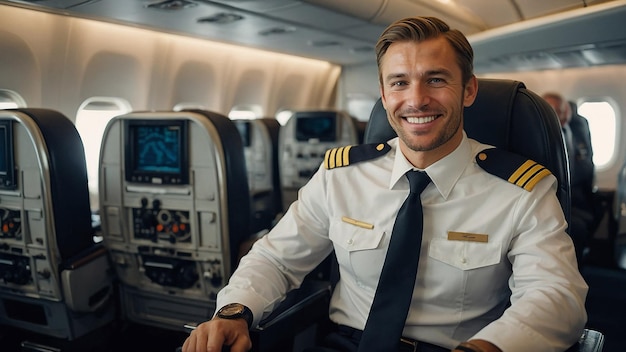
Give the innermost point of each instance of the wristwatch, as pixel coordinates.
(236, 311)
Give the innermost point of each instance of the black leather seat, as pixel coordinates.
(56, 280)
(507, 115)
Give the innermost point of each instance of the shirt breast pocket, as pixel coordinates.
(359, 250)
(465, 255)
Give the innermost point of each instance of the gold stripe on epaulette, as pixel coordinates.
(330, 158)
(521, 170)
(536, 178)
(337, 157)
(528, 175)
(343, 153)
(326, 156)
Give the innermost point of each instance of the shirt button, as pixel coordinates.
(463, 261)
(350, 242)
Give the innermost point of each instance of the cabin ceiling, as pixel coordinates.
(507, 35)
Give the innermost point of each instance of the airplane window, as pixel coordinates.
(188, 106)
(91, 120)
(283, 116)
(602, 126)
(10, 100)
(360, 107)
(245, 112)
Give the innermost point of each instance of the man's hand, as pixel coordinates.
(211, 335)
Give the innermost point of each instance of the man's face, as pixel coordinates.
(561, 108)
(423, 93)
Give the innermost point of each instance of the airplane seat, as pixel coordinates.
(56, 280)
(507, 115)
(273, 127)
(260, 140)
(302, 142)
(175, 209)
(360, 129)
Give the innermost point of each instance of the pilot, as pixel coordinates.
(582, 171)
(496, 270)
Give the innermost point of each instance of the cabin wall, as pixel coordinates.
(57, 62)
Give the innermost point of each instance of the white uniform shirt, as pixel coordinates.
(462, 287)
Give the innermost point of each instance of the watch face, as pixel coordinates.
(230, 310)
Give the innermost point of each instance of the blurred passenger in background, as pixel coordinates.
(582, 171)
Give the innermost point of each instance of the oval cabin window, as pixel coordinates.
(602, 126)
(91, 120)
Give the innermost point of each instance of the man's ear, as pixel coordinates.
(471, 90)
(382, 97)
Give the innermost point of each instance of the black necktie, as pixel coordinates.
(390, 308)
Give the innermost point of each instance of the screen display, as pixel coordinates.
(156, 152)
(4, 154)
(7, 167)
(316, 125)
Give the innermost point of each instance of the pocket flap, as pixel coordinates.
(465, 255)
(354, 238)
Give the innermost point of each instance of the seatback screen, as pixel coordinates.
(316, 125)
(156, 152)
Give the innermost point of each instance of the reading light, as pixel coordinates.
(221, 18)
(277, 30)
(171, 4)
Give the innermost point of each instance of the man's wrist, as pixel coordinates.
(236, 311)
(467, 347)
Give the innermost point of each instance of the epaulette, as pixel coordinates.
(344, 156)
(512, 167)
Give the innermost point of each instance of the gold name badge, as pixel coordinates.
(464, 236)
(357, 223)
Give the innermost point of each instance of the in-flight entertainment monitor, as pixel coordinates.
(320, 125)
(7, 161)
(156, 152)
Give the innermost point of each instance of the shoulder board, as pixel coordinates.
(344, 156)
(512, 167)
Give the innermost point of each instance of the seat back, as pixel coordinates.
(260, 141)
(506, 115)
(173, 194)
(56, 279)
(303, 141)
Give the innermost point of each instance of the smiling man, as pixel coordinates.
(492, 268)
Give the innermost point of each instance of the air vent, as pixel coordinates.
(323, 43)
(221, 18)
(277, 30)
(171, 5)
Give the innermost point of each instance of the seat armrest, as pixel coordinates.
(87, 281)
(297, 303)
(296, 321)
(590, 341)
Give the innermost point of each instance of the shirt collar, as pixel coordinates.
(443, 173)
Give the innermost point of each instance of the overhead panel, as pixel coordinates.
(556, 41)
(537, 8)
(363, 9)
(492, 13)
